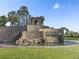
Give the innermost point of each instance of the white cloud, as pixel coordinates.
(56, 6)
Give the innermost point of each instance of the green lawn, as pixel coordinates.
(40, 53)
(71, 38)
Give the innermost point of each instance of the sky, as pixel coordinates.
(57, 13)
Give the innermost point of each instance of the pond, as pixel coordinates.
(71, 42)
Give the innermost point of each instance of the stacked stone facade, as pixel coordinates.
(34, 33)
(38, 34)
(9, 35)
(52, 36)
(31, 31)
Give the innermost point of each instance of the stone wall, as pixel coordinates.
(10, 34)
(31, 38)
(33, 27)
(46, 36)
(53, 36)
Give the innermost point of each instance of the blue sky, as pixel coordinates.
(58, 13)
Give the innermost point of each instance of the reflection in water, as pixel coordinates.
(70, 42)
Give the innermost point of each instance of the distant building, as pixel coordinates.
(10, 24)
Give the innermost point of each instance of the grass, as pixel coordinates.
(40, 53)
(71, 38)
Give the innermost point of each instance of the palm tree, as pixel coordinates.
(65, 29)
(22, 14)
(12, 17)
(3, 20)
(23, 11)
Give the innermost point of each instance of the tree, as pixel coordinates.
(3, 20)
(12, 17)
(23, 11)
(22, 15)
(65, 29)
(72, 33)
